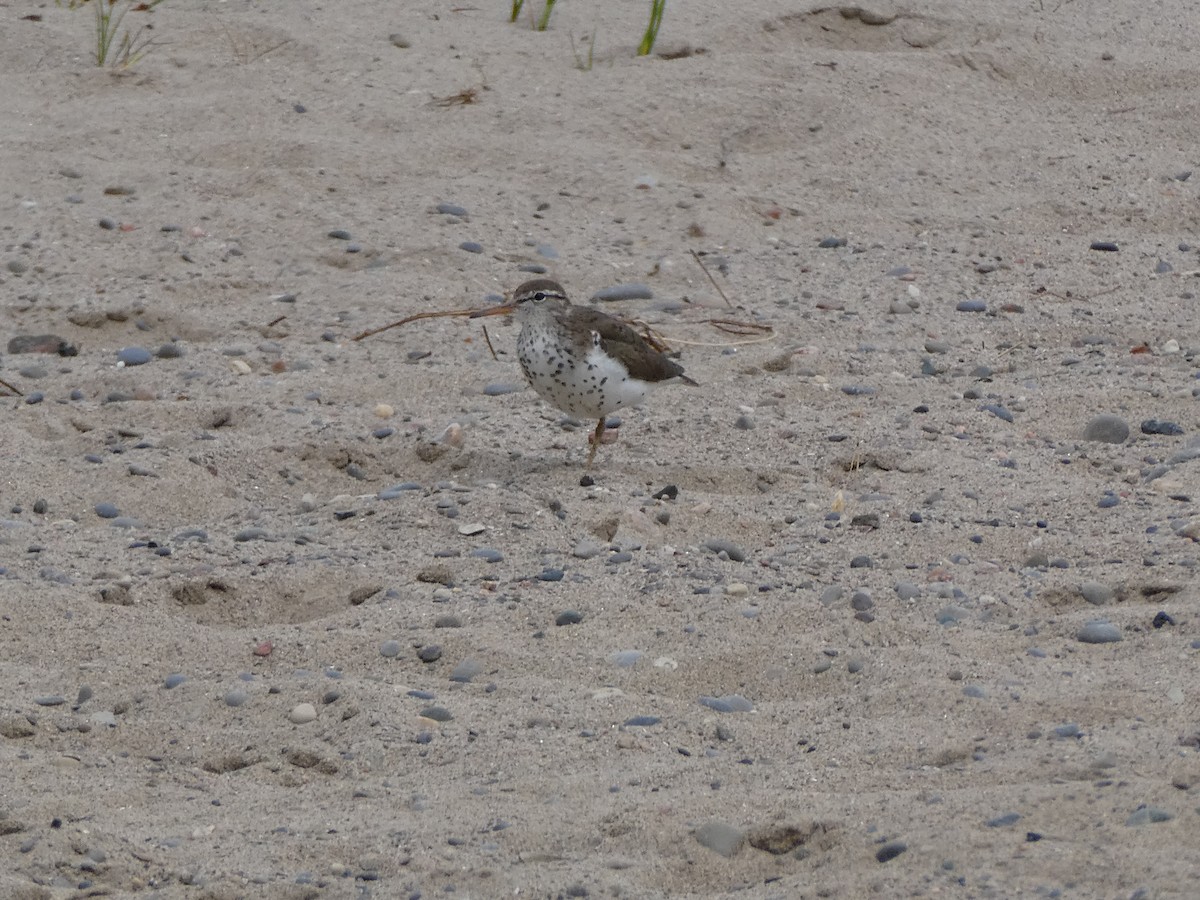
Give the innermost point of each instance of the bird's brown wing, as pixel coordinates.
(621, 342)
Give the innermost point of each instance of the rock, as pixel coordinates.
(721, 838)
(1096, 593)
(1098, 633)
(1107, 429)
(302, 714)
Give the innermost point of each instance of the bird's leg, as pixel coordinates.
(595, 442)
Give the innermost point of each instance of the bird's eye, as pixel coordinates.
(539, 297)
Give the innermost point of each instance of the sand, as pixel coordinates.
(888, 531)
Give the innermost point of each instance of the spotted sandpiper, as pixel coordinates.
(579, 359)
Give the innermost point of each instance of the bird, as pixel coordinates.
(582, 361)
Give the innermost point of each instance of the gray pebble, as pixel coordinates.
(972, 306)
(721, 838)
(890, 851)
(430, 653)
(730, 549)
(134, 356)
(448, 620)
(831, 595)
(951, 615)
(389, 649)
(1163, 267)
(1146, 815)
(339, 234)
(50, 700)
(586, 550)
(624, 292)
(500, 388)
(174, 680)
(236, 698)
(107, 224)
(568, 617)
(906, 590)
(641, 721)
(727, 704)
(398, 490)
(1107, 429)
(998, 411)
(437, 713)
(1003, 821)
(1098, 633)
(452, 209)
(1157, 426)
(624, 659)
(250, 534)
(466, 670)
(471, 246)
(107, 510)
(487, 554)
(831, 243)
(18, 266)
(1096, 593)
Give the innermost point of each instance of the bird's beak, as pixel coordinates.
(503, 309)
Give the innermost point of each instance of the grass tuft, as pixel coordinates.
(115, 46)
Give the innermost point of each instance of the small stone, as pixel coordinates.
(972, 306)
(1104, 246)
(624, 292)
(107, 510)
(1108, 429)
(263, 649)
(487, 554)
(471, 246)
(831, 243)
(1146, 815)
(389, 649)
(568, 617)
(451, 209)
(174, 680)
(339, 234)
(721, 838)
(728, 704)
(1098, 633)
(998, 411)
(302, 714)
(1096, 593)
(466, 670)
(890, 851)
(586, 550)
(437, 713)
(430, 653)
(236, 698)
(730, 549)
(134, 356)
(1156, 426)
(50, 700)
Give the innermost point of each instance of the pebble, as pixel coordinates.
(1098, 633)
(302, 714)
(236, 698)
(568, 617)
(339, 234)
(721, 545)
(728, 704)
(449, 620)
(586, 550)
(250, 534)
(721, 838)
(998, 411)
(500, 388)
(397, 490)
(1156, 426)
(1163, 267)
(50, 700)
(134, 356)
(1145, 815)
(831, 243)
(471, 246)
(389, 649)
(107, 510)
(1106, 428)
(631, 291)
(466, 670)
(1096, 593)
(452, 209)
(430, 653)
(906, 590)
(487, 554)
(972, 306)
(624, 659)
(890, 851)
(437, 713)
(174, 680)
(1104, 246)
